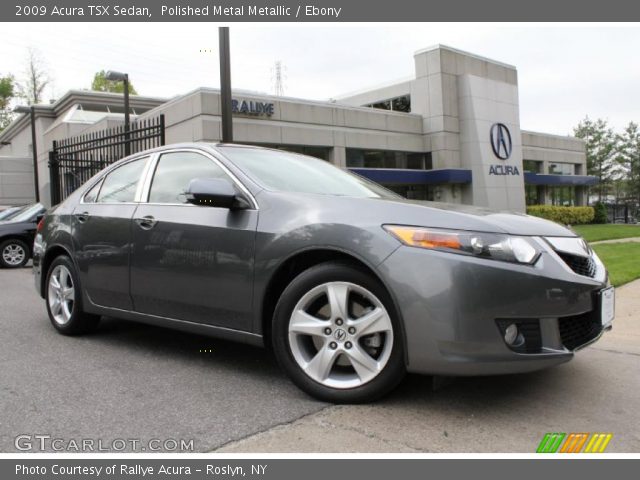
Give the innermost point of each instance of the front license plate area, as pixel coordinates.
(607, 306)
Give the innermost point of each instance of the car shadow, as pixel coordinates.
(463, 393)
(184, 346)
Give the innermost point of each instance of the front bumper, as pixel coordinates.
(453, 308)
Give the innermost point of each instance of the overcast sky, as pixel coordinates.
(565, 72)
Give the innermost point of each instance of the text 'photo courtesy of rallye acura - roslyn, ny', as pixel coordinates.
(350, 284)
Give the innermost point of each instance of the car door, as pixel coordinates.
(102, 235)
(192, 262)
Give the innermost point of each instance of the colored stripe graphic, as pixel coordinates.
(550, 443)
(574, 443)
(598, 443)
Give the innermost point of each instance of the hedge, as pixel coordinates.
(564, 215)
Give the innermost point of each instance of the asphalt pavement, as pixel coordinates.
(129, 381)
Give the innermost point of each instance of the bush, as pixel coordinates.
(563, 215)
(600, 213)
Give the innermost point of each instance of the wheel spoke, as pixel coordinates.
(320, 366)
(66, 311)
(56, 307)
(68, 293)
(64, 277)
(338, 295)
(305, 324)
(375, 321)
(364, 365)
(55, 282)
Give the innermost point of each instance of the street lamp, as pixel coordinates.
(31, 111)
(122, 77)
(225, 85)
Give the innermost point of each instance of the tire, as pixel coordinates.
(63, 297)
(337, 335)
(14, 253)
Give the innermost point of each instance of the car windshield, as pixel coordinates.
(289, 172)
(28, 213)
(10, 213)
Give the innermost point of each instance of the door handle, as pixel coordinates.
(146, 223)
(82, 217)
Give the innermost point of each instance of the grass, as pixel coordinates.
(621, 259)
(595, 233)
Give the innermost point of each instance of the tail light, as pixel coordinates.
(40, 225)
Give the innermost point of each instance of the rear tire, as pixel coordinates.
(63, 297)
(337, 335)
(14, 253)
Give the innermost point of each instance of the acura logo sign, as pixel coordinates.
(501, 141)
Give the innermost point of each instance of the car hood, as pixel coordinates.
(468, 217)
(378, 211)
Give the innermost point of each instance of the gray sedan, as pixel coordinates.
(350, 284)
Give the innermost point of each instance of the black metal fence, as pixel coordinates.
(75, 160)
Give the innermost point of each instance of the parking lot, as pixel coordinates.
(130, 381)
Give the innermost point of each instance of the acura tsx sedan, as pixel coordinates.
(351, 285)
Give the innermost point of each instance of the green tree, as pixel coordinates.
(601, 150)
(101, 84)
(629, 159)
(7, 92)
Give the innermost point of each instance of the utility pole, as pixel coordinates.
(278, 79)
(225, 85)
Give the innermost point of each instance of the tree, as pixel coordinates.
(601, 150)
(35, 80)
(629, 159)
(101, 84)
(7, 92)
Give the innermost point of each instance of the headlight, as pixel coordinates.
(479, 244)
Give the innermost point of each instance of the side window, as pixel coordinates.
(121, 184)
(174, 172)
(92, 195)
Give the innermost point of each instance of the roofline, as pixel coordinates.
(554, 135)
(72, 97)
(275, 98)
(439, 46)
(373, 88)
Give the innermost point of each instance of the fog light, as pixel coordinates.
(511, 334)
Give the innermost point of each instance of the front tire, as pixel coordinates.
(64, 299)
(337, 335)
(14, 253)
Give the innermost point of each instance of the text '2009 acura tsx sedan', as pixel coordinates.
(349, 283)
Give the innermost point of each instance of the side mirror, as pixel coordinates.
(215, 192)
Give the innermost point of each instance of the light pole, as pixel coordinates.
(31, 111)
(123, 77)
(225, 85)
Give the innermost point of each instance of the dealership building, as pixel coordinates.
(451, 133)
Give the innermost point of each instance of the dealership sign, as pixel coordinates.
(251, 107)
(501, 141)
(502, 146)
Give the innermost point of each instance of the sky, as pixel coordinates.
(565, 72)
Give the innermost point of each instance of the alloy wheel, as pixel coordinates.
(61, 294)
(340, 335)
(13, 254)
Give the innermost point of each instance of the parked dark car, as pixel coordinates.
(350, 284)
(17, 234)
(9, 212)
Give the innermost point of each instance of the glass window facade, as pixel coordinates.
(561, 168)
(534, 195)
(397, 104)
(562, 196)
(532, 166)
(360, 158)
